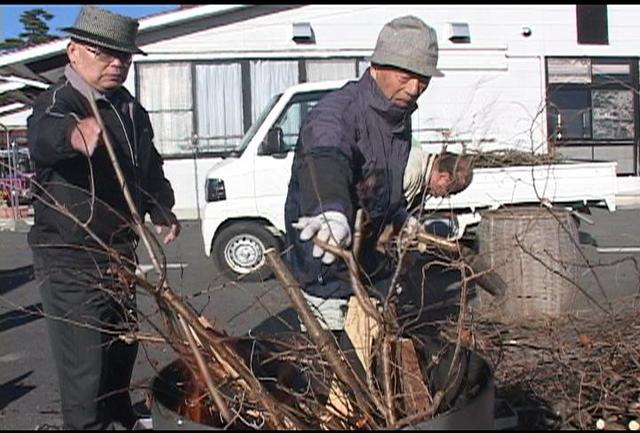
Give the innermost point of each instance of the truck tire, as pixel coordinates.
(238, 251)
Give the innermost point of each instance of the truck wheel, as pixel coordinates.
(238, 251)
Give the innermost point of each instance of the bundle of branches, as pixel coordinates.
(574, 373)
(306, 382)
(508, 157)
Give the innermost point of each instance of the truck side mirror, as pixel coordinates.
(273, 143)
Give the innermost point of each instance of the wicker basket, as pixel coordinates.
(535, 250)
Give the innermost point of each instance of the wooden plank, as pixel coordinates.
(362, 330)
(415, 391)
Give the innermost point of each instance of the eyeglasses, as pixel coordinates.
(106, 56)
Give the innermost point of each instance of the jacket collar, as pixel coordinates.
(395, 116)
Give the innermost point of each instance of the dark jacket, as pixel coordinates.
(351, 152)
(68, 177)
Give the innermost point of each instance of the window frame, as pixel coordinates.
(632, 86)
(592, 145)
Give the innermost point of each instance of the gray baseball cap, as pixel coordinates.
(105, 29)
(408, 43)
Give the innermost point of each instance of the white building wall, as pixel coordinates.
(494, 86)
(494, 89)
(355, 27)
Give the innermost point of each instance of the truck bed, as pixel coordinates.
(565, 182)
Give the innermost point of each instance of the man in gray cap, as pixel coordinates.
(81, 207)
(352, 153)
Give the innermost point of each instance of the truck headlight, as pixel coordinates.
(214, 190)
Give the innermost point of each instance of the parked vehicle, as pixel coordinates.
(246, 191)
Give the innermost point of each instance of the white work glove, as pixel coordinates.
(331, 227)
(411, 226)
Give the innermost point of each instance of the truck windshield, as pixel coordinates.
(255, 125)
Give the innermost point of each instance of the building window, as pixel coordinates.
(592, 24)
(219, 106)
(590, 99)
(592, 109)
(612, 114)
(207, 106)
(165, 91)
(268, 78)
(330, 69)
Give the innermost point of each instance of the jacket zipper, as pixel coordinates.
(133, 157)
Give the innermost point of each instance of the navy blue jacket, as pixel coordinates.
(352, 152)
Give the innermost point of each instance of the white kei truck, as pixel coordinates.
(246, 191)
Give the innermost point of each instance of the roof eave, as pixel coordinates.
(146, 24)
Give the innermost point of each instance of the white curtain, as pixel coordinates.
(172, 131)
(269, 77)
(219, 106)
(165, 91)
(320, 70)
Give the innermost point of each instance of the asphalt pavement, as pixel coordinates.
(28, 384)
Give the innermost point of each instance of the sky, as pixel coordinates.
(65, 15)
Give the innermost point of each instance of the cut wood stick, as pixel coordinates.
(138, 223)
(357, 286)
(253, 386)
(338, 402)
(228, 358)
(323, 340)
(486, 278)
(413, 418)
(218, 401)
(415, 392)
(388, 380)
(357, 235)
(362, 330)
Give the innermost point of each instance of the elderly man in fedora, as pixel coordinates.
(80, 200)
(351, 154)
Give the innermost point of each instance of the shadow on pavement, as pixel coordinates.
(14, 389)
(285, 321)
(14, 278)
(14, 318)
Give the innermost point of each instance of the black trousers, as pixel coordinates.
(86, 309)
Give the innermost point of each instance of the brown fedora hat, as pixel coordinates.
(105, 29)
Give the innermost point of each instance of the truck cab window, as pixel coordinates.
(294, 115)
(291, 121)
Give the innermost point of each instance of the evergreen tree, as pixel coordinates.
(36, 30)
(10, 43)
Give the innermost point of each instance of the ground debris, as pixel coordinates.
(568, 373)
